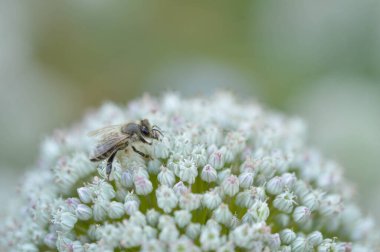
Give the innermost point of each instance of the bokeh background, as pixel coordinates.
(316, 59)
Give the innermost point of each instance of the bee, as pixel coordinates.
(118, 137)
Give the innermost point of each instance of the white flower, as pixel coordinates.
(225, 176)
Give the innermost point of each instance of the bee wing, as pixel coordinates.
(104, 131)
(109, 141)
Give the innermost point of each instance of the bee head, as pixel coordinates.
(148, 131)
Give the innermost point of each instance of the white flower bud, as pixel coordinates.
(311, 200)
(72, 203)
(154, 166)
(137, 218)
(189, 201)
(85, 194)
(169, 234)
(143, 185)
(131, 203)
(93, 233)
(152, 245)
(152, 217)
(259, 212)
(209, 174)
(216, 160)
(165, 220)
(211, 199)
(242, 236)
(223, 215)
(284, 202)
(301, 214)
(149, 232)
(300, 244)
(182, 218)
(210, 238)
(77, 247)
(274, 242)
(282, 220)
(180, 188)
(301, 189)
(223, 174)
(287, 236)
(330, 205)
(106, 191)
(127, 179)
(187, 171)
(166, 198)
(68, 221)
(115, 210)
(246, 179)
(166, 177)
(99, 211)
(288, 179)
(230, 185)
(83, 212)
(315, 238)
(193, 230)
(285, 249)
(275, 186)
(50, 240)
(199, 155)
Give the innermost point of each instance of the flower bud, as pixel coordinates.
(216, 160)
(180, 188)
(193, 230)
(187, 171)
(68, 221)
(189, 201)
(166, 177)
(131, 203)
(230, 185)
(99, 211)
(115, 210)
(300, 244)
(166, 198)
(315, 238)
(223, 215)
(209, 174)
(152, 217)
(182, 218)
(301, 214)
(83, 212)
(85, 194)
(275, 186)
(284, 202)
(143, 185)
(259, 212)
(287, 236)
(169, 234)
(246, 179)
(211, 199)
(127, 179)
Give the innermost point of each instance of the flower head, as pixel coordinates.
(225, 176)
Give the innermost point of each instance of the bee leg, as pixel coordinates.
(142, 139)
(141, 153)
(109, 165)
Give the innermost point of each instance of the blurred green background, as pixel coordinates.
(316, 59)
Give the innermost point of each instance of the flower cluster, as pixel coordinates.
(226, 176)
